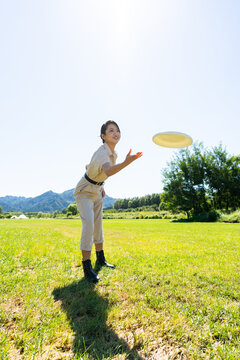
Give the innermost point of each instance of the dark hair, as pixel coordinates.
(104, 128)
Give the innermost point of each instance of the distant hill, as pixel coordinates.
(47, 202)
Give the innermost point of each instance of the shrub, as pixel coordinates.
(213, 215)
(231, 218)
(206, 216)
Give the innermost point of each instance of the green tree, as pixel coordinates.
(198, 180)
(121, 204)
(56, 212)
(72, 208)
(223, 178)
(116, 205)
(155, 199)
(125, 203)
(135, 202)
(235, 182)
(148, 200)
(1, 210)
(130, 204)
(184, 181)
(142, 201)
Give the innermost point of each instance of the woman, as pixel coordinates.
(89, 193)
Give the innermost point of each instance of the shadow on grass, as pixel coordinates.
(87, 314)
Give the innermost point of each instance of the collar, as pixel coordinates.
(109, 152)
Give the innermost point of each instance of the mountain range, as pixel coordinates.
(47, 202)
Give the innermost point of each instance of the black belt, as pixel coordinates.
(92, 181)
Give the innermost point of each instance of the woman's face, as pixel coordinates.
(112, 134)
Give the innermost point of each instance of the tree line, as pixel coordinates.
(152, 200)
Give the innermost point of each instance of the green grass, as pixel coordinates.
(175, 291)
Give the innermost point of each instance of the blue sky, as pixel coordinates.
(68, 66)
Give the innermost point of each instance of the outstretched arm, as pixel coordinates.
(111, 170)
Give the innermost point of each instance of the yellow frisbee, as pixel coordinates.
(172, 139)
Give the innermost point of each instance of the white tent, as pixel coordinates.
(22, 216)
(14, 217)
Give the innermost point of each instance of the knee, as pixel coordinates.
(88, 224)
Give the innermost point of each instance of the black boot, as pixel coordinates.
(89, 273)
(101, 261)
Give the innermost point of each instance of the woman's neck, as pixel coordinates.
(111, 146)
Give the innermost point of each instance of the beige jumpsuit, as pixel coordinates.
(89, 197)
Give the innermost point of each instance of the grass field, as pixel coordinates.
(175, 293)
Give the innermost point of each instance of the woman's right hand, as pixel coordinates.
(130, 158)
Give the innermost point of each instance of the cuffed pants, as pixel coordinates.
(90, 207)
